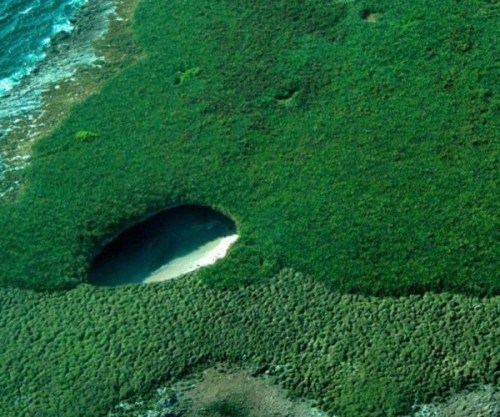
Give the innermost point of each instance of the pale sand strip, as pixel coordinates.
(204, 255)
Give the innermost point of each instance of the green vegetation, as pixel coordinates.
(378, 176)
(84, 135)
(183, 76)
(352, 141)
(79, 353)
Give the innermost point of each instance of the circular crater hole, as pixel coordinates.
(166, 245)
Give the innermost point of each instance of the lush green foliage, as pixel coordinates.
(359, 151)
(79, 353)
(84, 135)
(362, 153)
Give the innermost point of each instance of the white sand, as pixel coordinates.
(207, 254)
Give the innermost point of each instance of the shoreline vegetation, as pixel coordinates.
(352, 143)
(114, 50)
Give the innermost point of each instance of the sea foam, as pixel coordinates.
(27, 32)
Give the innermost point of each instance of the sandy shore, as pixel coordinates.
(205, 255)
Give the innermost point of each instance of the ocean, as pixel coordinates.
(42, 42)
(26, 28)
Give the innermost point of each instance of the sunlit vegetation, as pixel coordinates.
(353, 141)
(81, 352)
(362, 153)
(84, 135)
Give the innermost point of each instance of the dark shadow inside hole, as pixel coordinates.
(151, 244)
(287, 95)
(370, 15)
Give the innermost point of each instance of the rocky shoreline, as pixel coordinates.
(76, 64)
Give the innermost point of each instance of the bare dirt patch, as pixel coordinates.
(219, 392)
(479, 402)
(238, 394)
(373, 17)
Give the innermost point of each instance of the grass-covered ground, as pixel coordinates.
(79, 353)
(360, 152)
(352, 141)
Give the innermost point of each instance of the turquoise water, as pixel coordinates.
(42, 43)
(26, 29)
